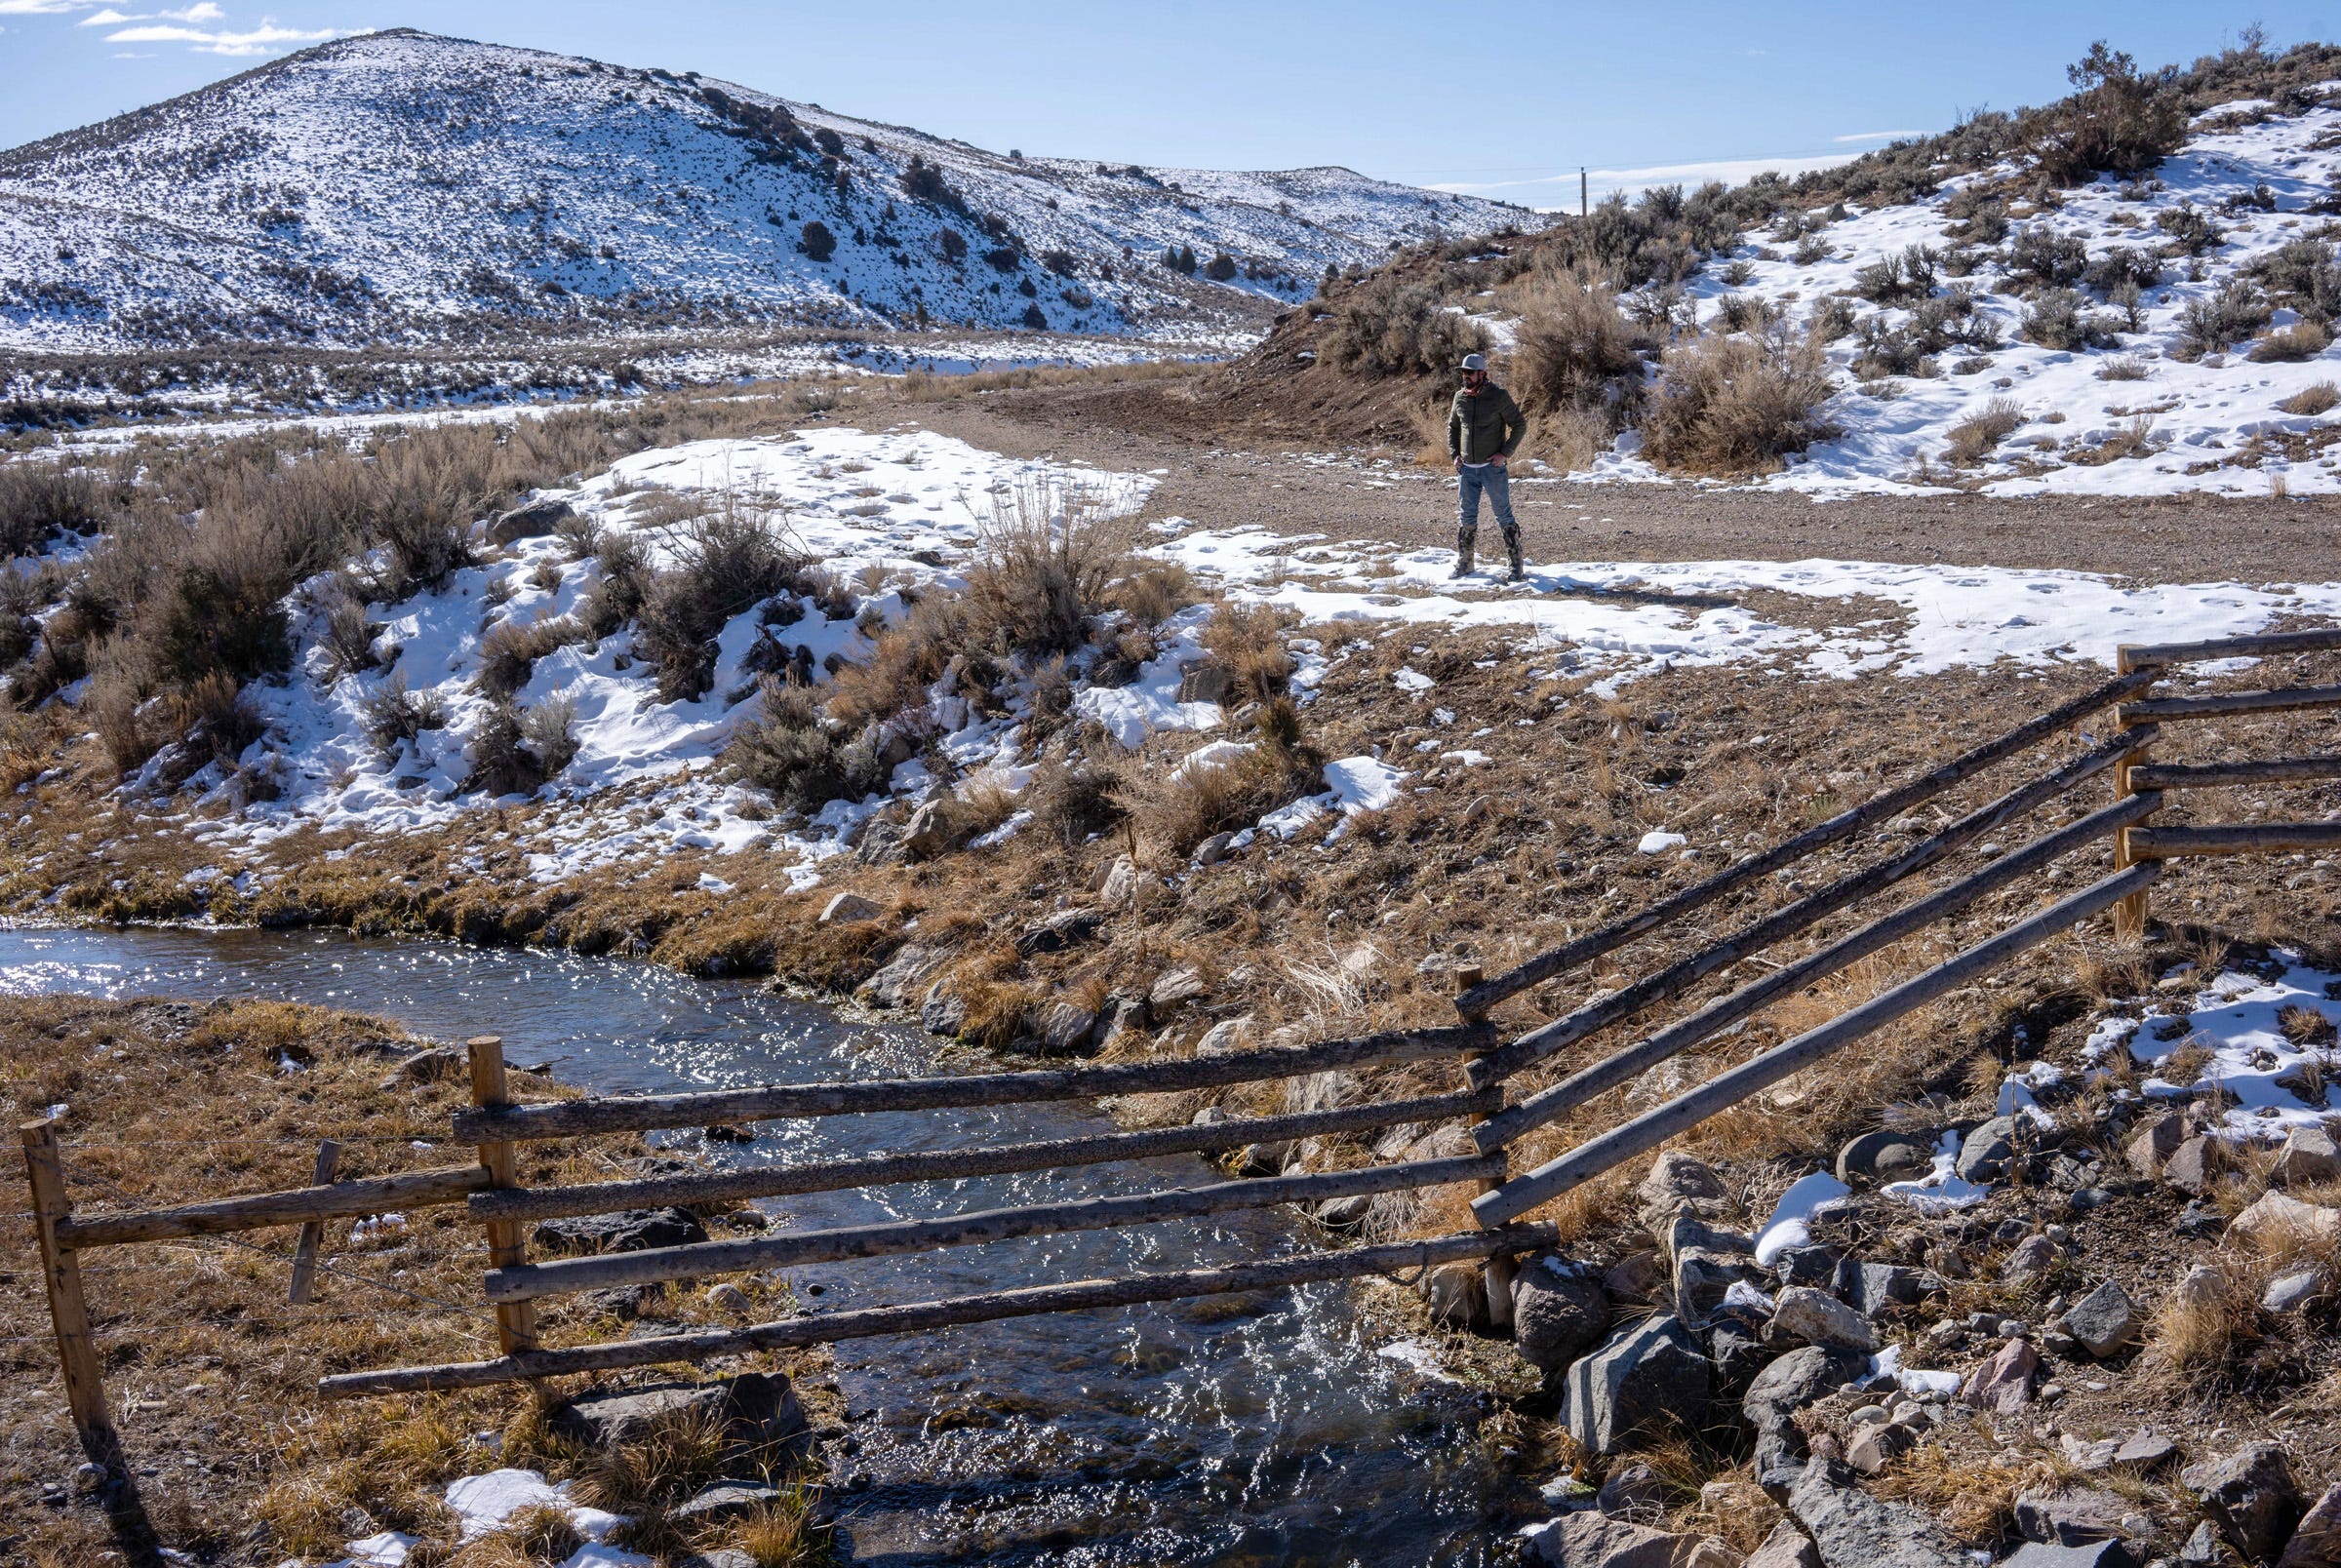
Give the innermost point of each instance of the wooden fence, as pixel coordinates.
(1483, 1060)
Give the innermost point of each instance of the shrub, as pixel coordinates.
(391, 714)
(210, 621)
(730, 560)
(2209, 325)
(508, 654)
(816, 241)
(790, 752)
(2121, 121)
(2058, 321)
(1730, 404)
(112, 702)
(2190, 229)
(1042, 568)
(2124, 264)
(1248, 641)
(1154, 591)
(1075, 798)
(625, 583)
(2044, 258)
(2126, 367)
(502, 764)
(348, 638)
(2302, 340)
(1573, 350)
(549, 730)
(1390, 326)
(39, 501)
(1180, 807)
(1898, 279)
(1221, 268)
(1035, 319)
(2313, 400)
(923, 181)
(1976, 437)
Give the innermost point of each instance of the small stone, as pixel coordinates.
(2033, 1257)
(2003, 1384)
(1802, 1315)
(2190, 1165)
(2104, 1321)
(2198, 1220)
(1876, 1158)
(2071, 1518)
(1852, 1529)
(1174, 989)
(2251, 1495)
(2094, 1554)
(1558, 1311)
(1345, 1213)
(849, 906)
(1119, 888)
(1878, 1446)
(1226, 1035)
(2275, 1218)
(1652, 1370)
(2153, 1145)
(1456, 1296)
(2293, 1289)
(1676, 1178)
(2146, 1450)
(1255, 1160)
(2317, 1542)
(729, 1298)
(1865, 1415)
(2202, 1546)
(725, 1500)
(1633, 1277)
(1785, 1548)
(1593, 1540)
(1214, 850)
(2088, 1457)
(629, 1231)
(2310, 1155)
(1805, 1266)
(1986, 1152)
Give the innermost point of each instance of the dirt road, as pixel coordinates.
(1292, 490)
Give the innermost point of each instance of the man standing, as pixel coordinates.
(1484, 428)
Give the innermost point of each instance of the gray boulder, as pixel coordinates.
(2190, 1165)
(531, 522)
(1987, 1150)
(2095, 1554)
(1786, 1386)
(2104, 1321)
(1876, 1158)
(1558, 1311)
(2032, 1257)
(2152, 1145)
(2076, 1516)
(1634, 1493)
(725, 1500)
(1065, 1029)
(2003, 1384)
(2310, 1155)
(1852, 1529)
(1589, 1540)
(2251, 1495)
(936, 827)
(846, 908)
(2294, 1288)
(1785, 1548)
(944, 1011)
(1652, 1371)
(1875, 1288)
(1803, 1315)
(755, 1408)
(2317, 1542)
(631, 1230)
(893, 984)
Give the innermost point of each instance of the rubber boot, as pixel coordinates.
(1517, 572)
(1466, 545)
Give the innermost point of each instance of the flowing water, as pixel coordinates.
(1232, 1430)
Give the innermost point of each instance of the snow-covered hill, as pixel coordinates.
(403, 188)
(2015, 361)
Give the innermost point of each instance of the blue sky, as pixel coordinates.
(1507, 99)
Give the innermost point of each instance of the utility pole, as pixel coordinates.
(1584, 207)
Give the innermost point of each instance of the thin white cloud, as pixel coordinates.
(1876, 136)
(41, 8)
(259, 40)
(109, 17)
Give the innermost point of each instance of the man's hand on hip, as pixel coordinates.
(1499, 459)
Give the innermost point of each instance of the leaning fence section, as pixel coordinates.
(1485, 1063)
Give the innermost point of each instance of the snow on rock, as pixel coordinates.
(1658, 842)
(1942, 1189)
(1362, 784)
(1790, 1222)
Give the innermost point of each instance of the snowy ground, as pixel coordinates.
(2202, 417)
(885, 511)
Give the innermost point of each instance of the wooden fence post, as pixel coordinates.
(68, 1310)
(507, 1239)
(312, 1234)
(2130, 916)
(1497, 1275)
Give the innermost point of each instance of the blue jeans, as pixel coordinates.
(1498, 486)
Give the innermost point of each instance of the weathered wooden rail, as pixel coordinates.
(1487, 1062)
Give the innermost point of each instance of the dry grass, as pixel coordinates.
(1573, 350)
(2288, 345)
(2313, 400)
(1980, 433)
(2123, 368)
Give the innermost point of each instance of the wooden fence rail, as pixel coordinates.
(947, 1165)
(1550, 1038)
(526, 1282)
(259, 1211)
(571, 1119)
(920, 1316)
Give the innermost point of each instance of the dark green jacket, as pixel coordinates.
(1478, 428)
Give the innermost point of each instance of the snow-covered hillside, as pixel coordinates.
(403, 188)
(2021, 324)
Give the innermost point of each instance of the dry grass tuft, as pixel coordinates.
(1729, 405)
(1976, 437)
(2313, 400)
